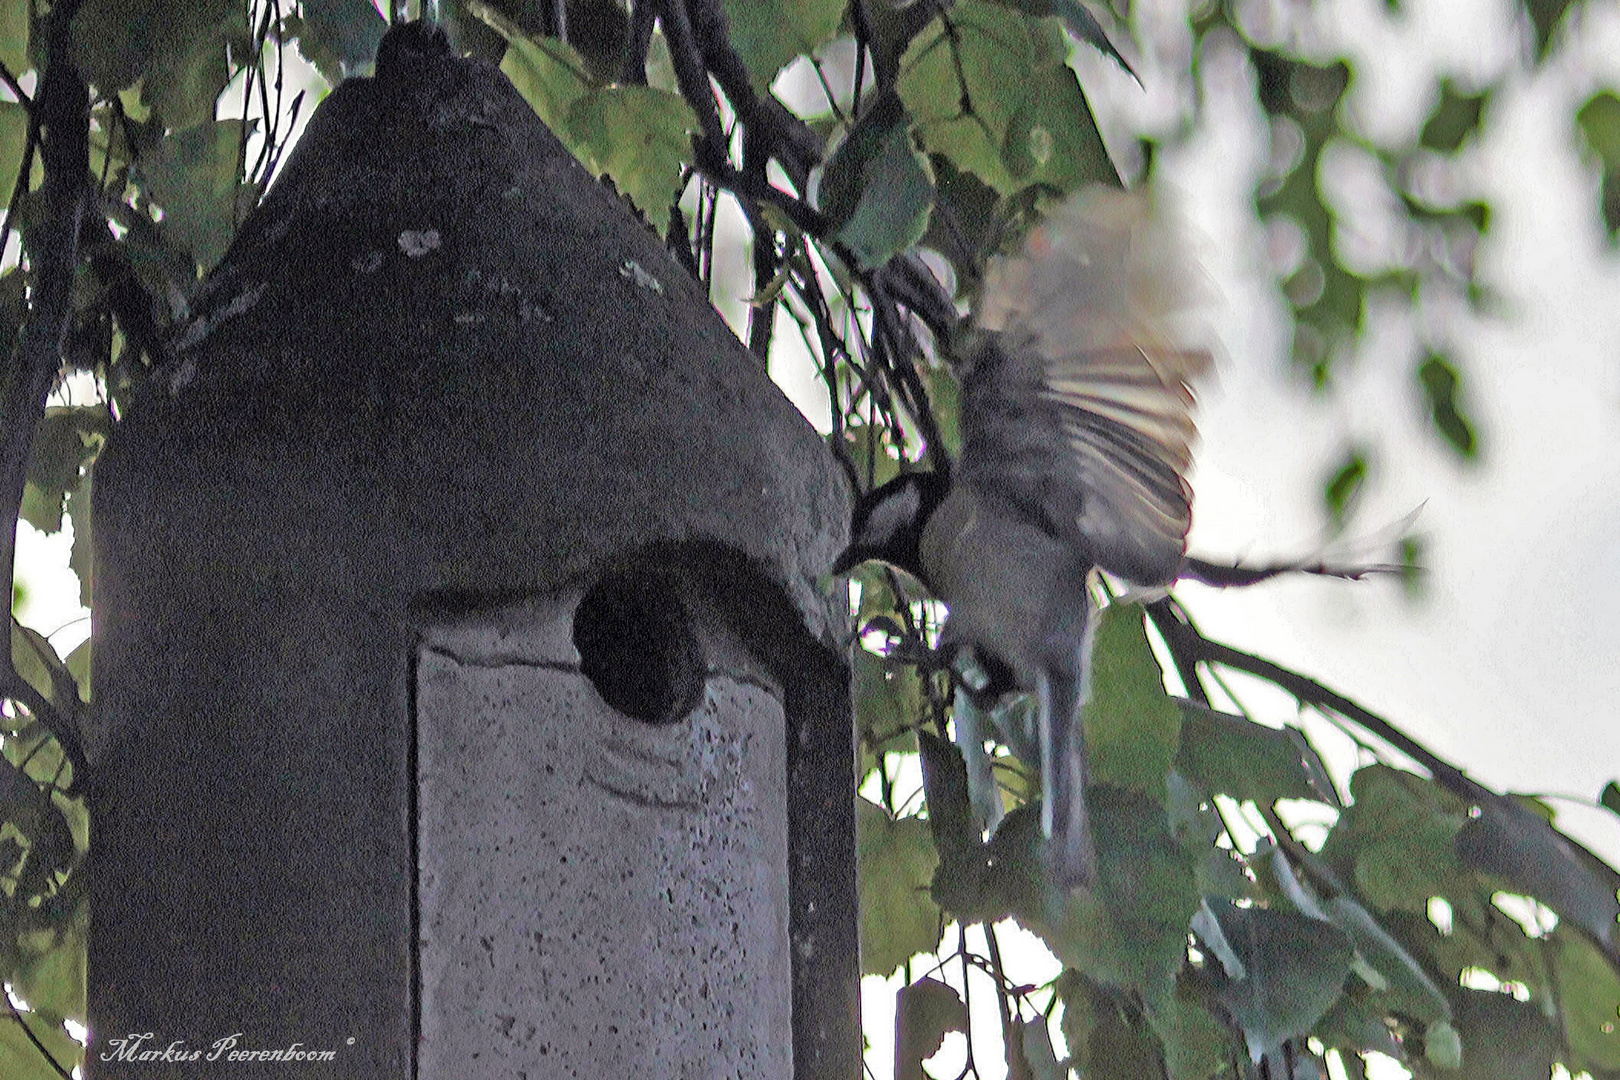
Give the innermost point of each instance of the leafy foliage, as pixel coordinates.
(1255, 911)
(1599, 122)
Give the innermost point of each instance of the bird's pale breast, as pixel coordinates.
(1012, 588)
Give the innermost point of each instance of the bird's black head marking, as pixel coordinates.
(888, 522)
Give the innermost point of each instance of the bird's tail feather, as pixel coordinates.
(1071, 857)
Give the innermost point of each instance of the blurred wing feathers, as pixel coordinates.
(1078, 401)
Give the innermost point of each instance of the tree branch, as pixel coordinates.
(15, 87)
(693, 79)
(63, 114)
(1223, 576)
(17, 1017)
(638, 39)
(1169, 621)
(792, 142)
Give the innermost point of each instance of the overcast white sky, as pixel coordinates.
(1510, 666)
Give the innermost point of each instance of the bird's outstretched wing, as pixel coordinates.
(1079, 392)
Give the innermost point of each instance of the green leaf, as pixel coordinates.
(1410, 990)
(1079, 21)
(1456, 116)
(945, 392)
(1012, 131)
(176, 48)
(194, 180)
(1589, 991)
(41, 508)
(876, 189)
(81, 557)
(550, 76)
(52, 980)
(65, 443)
(1196, 1045)
(1233, 756)
(638, 136)
(1610, 202)
(1611, 796)
(1413, 566)
(24, 804)
(1398, 836)
(1131, 930)
(13, 140)
(1513, 842)
(924, 1012)
(1438, 378)
(1034, 1041)
(78, 663)
(962, 228)
(1358, 1023)
(19, 1057)
(1501, 1038)
(1599, 121)
(184, 79)
(1479, 938)
(950, 811)
(770, 34)
(871, 447)
(1442, 1045)
(1328, 299)
(51, 853)
(1083, 1003)
(1107, 1037)
(35, 660)
(1339, 494)
(1120, 1047)
(14, 35)
(888, 702)
(1544, 18)
(150, 251)
(974, 881)
(898, 916)
(1132, 727)
(1294, 968)
(339, 36)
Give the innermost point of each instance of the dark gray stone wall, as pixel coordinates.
(440, 371)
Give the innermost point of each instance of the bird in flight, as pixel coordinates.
(1077, 422)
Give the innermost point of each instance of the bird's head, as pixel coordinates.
(889, 520)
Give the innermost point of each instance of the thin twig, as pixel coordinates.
(1222, 576)
(1168, 621)
(15, 87)
(1001, 988)
(693, 79)
(638, 40)
(792, 142)
(16, 1014)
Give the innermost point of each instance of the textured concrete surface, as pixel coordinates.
(441, 369)
(599, 896)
